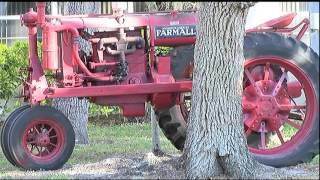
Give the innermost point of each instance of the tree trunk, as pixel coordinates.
(215, 142)
(77, 109)
(77, 112)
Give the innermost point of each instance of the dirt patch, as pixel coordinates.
(136, 166)
(144, 166)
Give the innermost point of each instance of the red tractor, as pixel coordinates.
(123, 70)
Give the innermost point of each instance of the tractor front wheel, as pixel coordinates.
(40, 138)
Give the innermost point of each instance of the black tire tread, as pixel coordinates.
(170, 129)
(16, 150)
(260, 44)
(4, 132)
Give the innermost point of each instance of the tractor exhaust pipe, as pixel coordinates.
(41, 11)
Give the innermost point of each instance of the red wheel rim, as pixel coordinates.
(310, 106)
(43, 140)
(268, 123)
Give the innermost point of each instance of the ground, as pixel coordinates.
(124, 151)
(138, 166)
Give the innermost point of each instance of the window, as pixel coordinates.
(294, 6)
(10, 25)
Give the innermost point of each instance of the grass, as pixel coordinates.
(287, 132)
(120, 139)
(104, 141)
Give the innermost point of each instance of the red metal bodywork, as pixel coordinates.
(280, 25)
(131, 38)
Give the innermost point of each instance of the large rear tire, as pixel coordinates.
(261, 51)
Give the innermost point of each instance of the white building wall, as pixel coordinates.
(261, 12)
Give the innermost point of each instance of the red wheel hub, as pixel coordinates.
(264, 105)
(267, 103)
(43, 140)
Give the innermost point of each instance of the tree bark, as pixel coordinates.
(215, 142)
(77, 112)
(77, 109)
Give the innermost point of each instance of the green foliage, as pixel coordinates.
(3, 51)
(97, 110)
(163, 50)
(12, 60)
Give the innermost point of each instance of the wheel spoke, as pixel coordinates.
(293, 124)
(299, 107)
(47, 150)
(35, 127)
(53, 136)
(30, 136)
(278, 86)
(32, 142)
(263, 135)
(248, 132)
(37, 149)
(32, 147)
(263, 140)
(40, 151)
(249, 76)
(289, 107)
(280, 136)
(266, 71)
(50, 130)
(295, 116)
(53, 144)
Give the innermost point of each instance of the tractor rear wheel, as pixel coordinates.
(40, 138)
(280, 99)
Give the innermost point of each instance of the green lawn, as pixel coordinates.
(106, 141)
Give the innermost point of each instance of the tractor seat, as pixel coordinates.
(279, 22)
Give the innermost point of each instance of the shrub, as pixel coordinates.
(97, 110)
(163, 50)
(12, 60)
